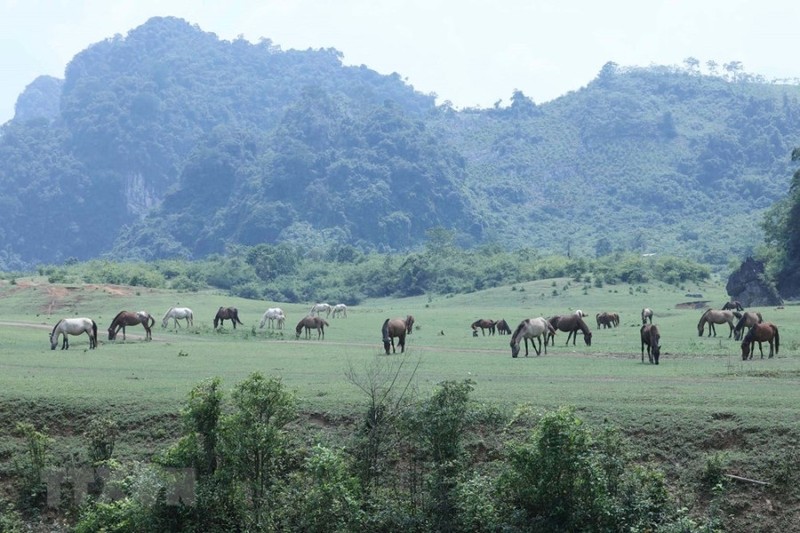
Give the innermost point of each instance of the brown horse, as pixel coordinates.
(131, 318)
(311, 322)
(503, 327)
(227, 313)
(747, 320)
(652, 339)
(607, 320)
(571, 324)
(715, 316)
(396, 327)
(733, 305)
(762, 332)
(647, 314)
(483, 324)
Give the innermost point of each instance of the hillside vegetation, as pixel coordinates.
(169, 142)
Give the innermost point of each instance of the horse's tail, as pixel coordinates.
(150, 321)
(94, 335)
(777, 338)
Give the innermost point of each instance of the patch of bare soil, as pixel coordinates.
(700, 304)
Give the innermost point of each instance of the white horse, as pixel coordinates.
(319, 308)
(178, 313)
(273, 314)
(531, 328)
(340, 309)
(73, 326)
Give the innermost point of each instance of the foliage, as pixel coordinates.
(102, 435)
(169, 142)
(31, 467)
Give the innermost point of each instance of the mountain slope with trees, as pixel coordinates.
(169, 142)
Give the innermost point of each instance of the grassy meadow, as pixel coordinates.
(702, 398)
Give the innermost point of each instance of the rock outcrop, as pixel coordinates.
(747, 284)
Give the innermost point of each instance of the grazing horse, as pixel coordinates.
(227, 313)
(178, 313)
(747, 320)
(318, 309)
(340, 309)
(733, 305)
(571, 324)
(533, 329)
(273, 315)
(396, 327)
(73, 326)
(311, 322)
(502, 327)
(764, 331)
(131, 318)
(647, 314)
(484, 324)
(607, 320)
(712, 317)
(652, 339)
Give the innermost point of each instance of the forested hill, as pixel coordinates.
(171, 142)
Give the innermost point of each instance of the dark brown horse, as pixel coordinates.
(503, 327)
(396, 327)
(311, 322)
(607, 319)
(747, 320)
(227, 313)
(131, 318)
(733, 305)
(483, 324)
(572, 323)
(762, 332)
(652, 339)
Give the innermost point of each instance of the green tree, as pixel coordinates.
(254, 440)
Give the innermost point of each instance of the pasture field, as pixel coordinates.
(702, 399)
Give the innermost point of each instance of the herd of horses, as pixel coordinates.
(273, 317)
(539, 331)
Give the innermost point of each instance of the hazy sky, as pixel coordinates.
(471, 52)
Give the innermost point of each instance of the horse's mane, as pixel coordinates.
(519, 328)
(117, 317)
(54, 327)
(584, 328)
(385, 331)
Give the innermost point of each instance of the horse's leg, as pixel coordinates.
(711, 328)
(731, 333)
(533, 343)
(402, 344)
(65, 344)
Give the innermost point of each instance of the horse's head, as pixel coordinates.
(111, 334)
(745, 350)
(587, 337)
(53, 341)
(514, 348)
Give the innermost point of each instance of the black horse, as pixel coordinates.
(227, 313)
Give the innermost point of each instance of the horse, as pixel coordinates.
(340, 309)
(733, 305)
(607, 320)
(502, 327)
(747, 320)
(647, 314)
(131, 318)
(273, 315)
(178, 313)
(396, 327)
(533, 329)
(715, 316)
(73, 326)
(311, 322)
(761, 332)
(571, 324)
(484, 324)
(652, 339)
(319, 308)
(227, 313)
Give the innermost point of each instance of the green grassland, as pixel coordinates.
(702, 398)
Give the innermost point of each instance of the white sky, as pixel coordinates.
(471, 52)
